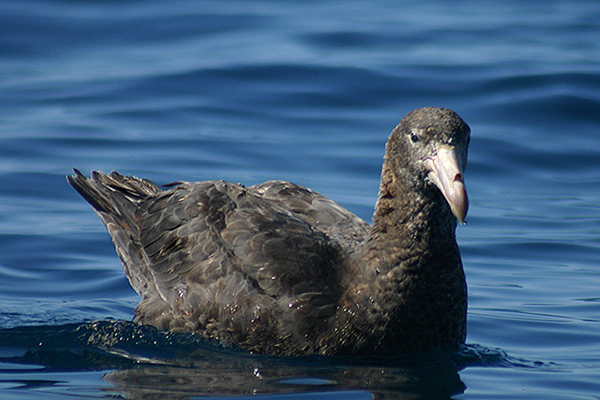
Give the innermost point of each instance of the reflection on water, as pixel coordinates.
(148, 363)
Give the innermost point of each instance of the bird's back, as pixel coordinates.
(257, 266)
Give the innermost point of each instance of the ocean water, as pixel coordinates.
(305, 91)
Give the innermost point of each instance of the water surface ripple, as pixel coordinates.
(306, 92)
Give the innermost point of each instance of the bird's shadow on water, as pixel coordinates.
(148, 363)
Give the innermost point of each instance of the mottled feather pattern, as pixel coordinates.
(215, 248)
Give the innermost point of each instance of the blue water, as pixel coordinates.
(305, 91)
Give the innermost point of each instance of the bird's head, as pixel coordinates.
(429, 147)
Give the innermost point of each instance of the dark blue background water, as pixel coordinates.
(305, 91)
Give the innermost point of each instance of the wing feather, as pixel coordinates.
(224, 260)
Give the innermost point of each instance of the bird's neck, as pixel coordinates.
(411, 219)
(410, 267)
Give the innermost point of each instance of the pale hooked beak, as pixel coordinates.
(447, 174)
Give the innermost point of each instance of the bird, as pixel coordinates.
(279, 269)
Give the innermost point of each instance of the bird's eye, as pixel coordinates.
(414, 137)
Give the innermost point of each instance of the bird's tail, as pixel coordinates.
(102, 190)
(115, 198)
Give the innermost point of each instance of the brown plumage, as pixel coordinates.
(279, 269)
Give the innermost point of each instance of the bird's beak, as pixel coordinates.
(445, 170)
